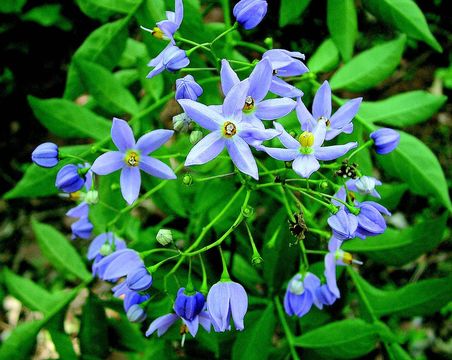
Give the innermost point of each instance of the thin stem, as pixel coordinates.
(250, 46)
(286, 204)
(361, 293)
(317, 252)
(198, 69)
(146, 253)
(253, 245)
(204, 287)
(286, 328)
(305, 256)
(154, 268)
(225, 274)
(214, 177)
(323, 233)
(367, 144)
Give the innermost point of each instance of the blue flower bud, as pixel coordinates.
(249, 13)
(188, 88)
(68, 179)
(45, 155)
(175, 59)
(136, 314)
(189, 306)
(385, 140)
(139, 279)
(299, 295)
(82, 228)
(324, 295)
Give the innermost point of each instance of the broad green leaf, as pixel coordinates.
(63, 344)
(21, 342)
(398, 247)
(11, 6)
(343, 25)
(68, 120)
(57, 249)
(391, 194)
(404, 15)
(104, 46)
(396, 352)
(103, 9)
(325, 58)
(105, 88)
(48, 15)
(413, 162)
(259, 326)
(38, 181)
(93, 329)
(128, 335)
(422, 298)
(26, 291)
(402, 110)
(345, 339)
(291, 11)
(370, 67)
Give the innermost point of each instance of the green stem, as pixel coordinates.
(204, 288)
(286, 328)
(286, 204)
(152, 269)
(304, 254)
(250, 46)
(253, 245)
(323, 233)
(367, 144)
(362, 294)
(146, 253)
(214, 177)
(317, 252)
(198, 69)
(225, 274)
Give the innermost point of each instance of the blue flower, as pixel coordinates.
(69, 179)
(385, 140)
(118, 264)
(225, 300)
(188, 88)
(188, 308)
(324, 296)
(306, 152)
(249, 13)
(136, 314)
(45, 155)
(129, 296)
(132, 157)
(82, 228)
(139, 279)
(340, 122)
(104, 245)
(228, 130)
(364, 185)
(171, 58)
(300, 294)
(285, 63)
(343, 224)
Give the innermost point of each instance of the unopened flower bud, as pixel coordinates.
(257, 260)
(136, 314)
(195, 137)
(187, 179)
(45, 155)
(385, 140)
(68, 179)
(249, 13)
(164, 236)
(92, 197)
(247, 211)
(181, 122)
(324, 185)
(188, 88)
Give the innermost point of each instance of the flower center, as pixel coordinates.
(183, 329)
(296, 287)
(346, 257)
(157, 33)
(275, 72)
(229, 129)
(132, 158)
(306, 140)
(249, 104)
(327, 121)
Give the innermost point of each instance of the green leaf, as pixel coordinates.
(21, 341)
(259, 328)
(105, 88)
(104, 46)
(26, 291)
(11, 6)
(370, 67)
(391, 194)
(342, 23)
(345, 339)
(396, 352)
(421, 298)
(398, 247)
(63, 344)
(404, 109)
(59, 251)
(413, 162)
(404, 15)
(290, 11)
(325, 58)
(48, 15)
(104, 9)
(68, 120)
(38, 181)
(93, 329)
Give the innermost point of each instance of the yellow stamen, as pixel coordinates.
(157, 33)
(306, 139)
(229, 129)
(249, 104)
(132, 159)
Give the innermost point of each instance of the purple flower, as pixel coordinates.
(385, 140)
(118, 264)
(188, 308)
(226, 299)
(285, 63)
(306, 152)
(364, 185)
(343, 224)
(255, 108)
(249, 13)
(188, 88)
(300, 294)
(104, 245)
(324, 296)
(171, 58)
(172, 23)
(340, 122)
(83, 227)
(136, 314)
(132, 157)
(139, 279)
(129, 296)
(69, 179)
(45, 155)
(228, 130)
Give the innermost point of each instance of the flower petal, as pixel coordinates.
(122, 135)
(235, 100)
(130, 181)
(192, 325)
(202, 114)
(322, 102)
(228, 77)
(242, 157)
(218, 306)
(273, 109)
(204, 320)
(81, 210)
(161, 324)
(280, 154)
(285, 138)
(345, 114)
(156, 168)
(153, 140)
(334, 152)
(305, 118)
(305, 165)
(319, 133)
(179, 12)
(238, 304)
(108, 163)
(260, 80)
(330, 274)
(206, 149)
(281, 88)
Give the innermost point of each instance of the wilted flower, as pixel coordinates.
(385, 140)
(171, 58)
(45, 155)
(188, 88)
(226, 299)
(300, 294)
(364, 185)
(249, 13)
(340, 122)
(132, 157)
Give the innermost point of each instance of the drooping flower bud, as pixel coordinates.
(171, 58)
(188, 88)
(164, 237)
(136, 314)
(195, 137)
(92, 197)
(249, 13)
(82, 228)
(188, 306)
(139, 279)
(68, 179)
(385, 140)
(45, 155)
(300, 294)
